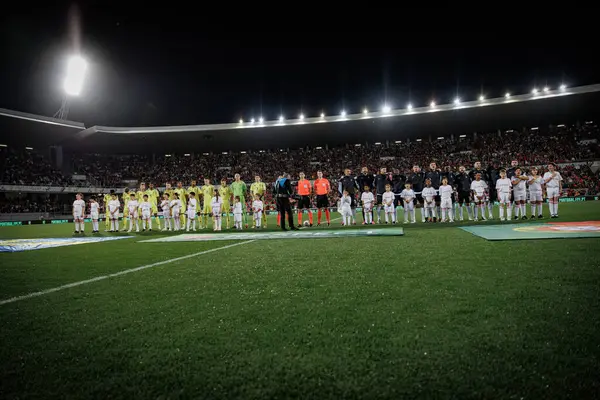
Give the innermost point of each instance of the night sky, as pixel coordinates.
(141, 75)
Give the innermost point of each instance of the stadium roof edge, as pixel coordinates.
(41, 119)
(351, 117)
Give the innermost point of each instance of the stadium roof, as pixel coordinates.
(515, 112)
(22, 129)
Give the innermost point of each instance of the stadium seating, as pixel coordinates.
(560, 145)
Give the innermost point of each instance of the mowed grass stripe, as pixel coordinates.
(127, 271)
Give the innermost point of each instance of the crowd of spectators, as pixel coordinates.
(565, 145)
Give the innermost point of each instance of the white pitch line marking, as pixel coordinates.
(124, 272)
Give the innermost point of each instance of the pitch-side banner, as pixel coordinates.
(14, 245)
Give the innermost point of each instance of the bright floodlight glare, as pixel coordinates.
(322, 115)
(534, 91)
(252, 120)
(481, 98)
(432, 104)
(365, 111)
(563, 86)
(409, 106)
(261, 120)
(386, 108)
(546, 89)
(457, 101)
(343, 113)
(301, 116)
(241, 121)
(281, 118)
(75, 75)
(507, 95)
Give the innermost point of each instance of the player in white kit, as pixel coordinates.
(257, 210)
(216, 207)
(503, 186)
(146, 212)
(535, 193)
(175, 205)
(429, 208)
(387, 199)
(446, 193)
(553, 182)
(132, 209)
(519, 182)
(479, 187)
(94, 214)
(237, 213)
(113, 212)
(346, 209)
(367, 200)
(408, 196)
(165, 206)
(192, 205)
(78, 213)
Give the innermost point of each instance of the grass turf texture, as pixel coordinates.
(437, 313)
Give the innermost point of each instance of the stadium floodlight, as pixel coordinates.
(261, 120)
(563, 87)
(75, 75)
(418, 140)
(73, 83)
(546, 89)
(398, 141)
(318, 147)
(281, 118)
(432, 104)
(386, 108)
(377, 143)
(365, 111)
(322, 115)
(28, 148)
(409, 106)
(534, 91)
(457, 101)
(463, 136)
(252, 120)
(186, 155)
(343, 113)
(3, 145)
(440, 137)
(301, 117)
(507, 95)
(481, 98)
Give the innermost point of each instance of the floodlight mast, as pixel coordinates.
(73, 84)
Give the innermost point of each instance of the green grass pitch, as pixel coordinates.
(436, 313)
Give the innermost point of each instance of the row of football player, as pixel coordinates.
(445, 201)
(174, 212)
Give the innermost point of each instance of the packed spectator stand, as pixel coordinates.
(535, 146)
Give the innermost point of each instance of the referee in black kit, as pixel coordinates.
(283, 191)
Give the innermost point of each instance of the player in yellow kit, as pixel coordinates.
(194, 188)
(107, 198)
(153, 196)
(208, 192)
(225, 194)
(126, 198)
(169, 191)
(182, 193)
(259, 189)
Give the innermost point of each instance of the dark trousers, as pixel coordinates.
(283, 206)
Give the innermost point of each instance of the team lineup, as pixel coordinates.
(441, 196)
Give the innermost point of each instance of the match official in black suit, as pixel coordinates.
(283, 192)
